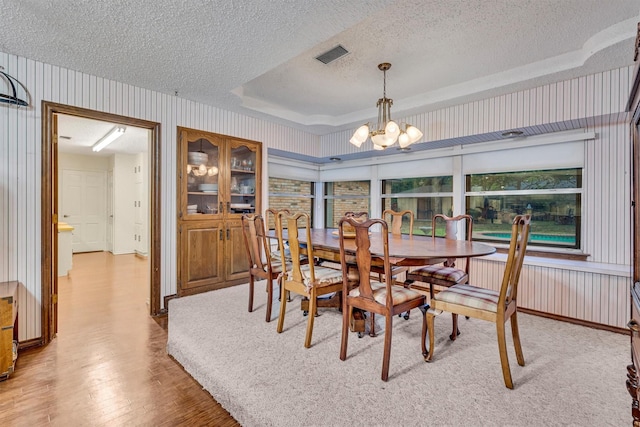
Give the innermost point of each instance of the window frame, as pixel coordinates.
(421, 195)
(534, 246)
(311, 195)
(326, 197)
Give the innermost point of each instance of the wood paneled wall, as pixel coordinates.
(583, 295)
(586, 101)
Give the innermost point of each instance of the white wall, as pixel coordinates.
(587, 101)
(81, 162)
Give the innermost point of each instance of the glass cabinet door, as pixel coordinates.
(202, 173)
(242, 164)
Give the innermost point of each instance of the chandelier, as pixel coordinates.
(387, 131)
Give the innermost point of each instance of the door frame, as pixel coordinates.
(49, 207)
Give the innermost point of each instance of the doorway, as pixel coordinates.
(50, 208)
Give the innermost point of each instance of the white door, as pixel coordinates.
(110, 211)
(83, 206)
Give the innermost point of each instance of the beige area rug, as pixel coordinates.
(573, 375)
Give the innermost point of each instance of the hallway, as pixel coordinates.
(108, 364)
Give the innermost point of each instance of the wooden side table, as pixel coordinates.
(8, 326)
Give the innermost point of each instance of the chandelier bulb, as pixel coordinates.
(363, 132)
(404, 140)
(414, 133)
(392, 130)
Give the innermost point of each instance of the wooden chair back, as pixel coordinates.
(257, 244)
(363, 256)
(453, 227)
(517, 247)
(358, 216)
(397, 218)
(293, 224)
(271, 216)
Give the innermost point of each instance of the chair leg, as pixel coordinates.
(516, 338)
(313, 301)
(346, 316)
(430, 327)
(372, 324)
(283, 306)
(455, 331)
(269, 299)
(423, 341)
(388, 327)
(504, 358)
(250, 293)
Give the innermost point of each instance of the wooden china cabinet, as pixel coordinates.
(633, 381)
(219, 179)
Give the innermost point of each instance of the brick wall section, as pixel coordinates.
(291, 187)
(340, 206)
(291, 202)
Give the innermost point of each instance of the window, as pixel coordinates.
(345, 196)
(297, 196)
(424, 196)
(552, 197)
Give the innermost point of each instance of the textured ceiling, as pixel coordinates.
(258, 57)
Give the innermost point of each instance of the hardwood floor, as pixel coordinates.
(108, 364)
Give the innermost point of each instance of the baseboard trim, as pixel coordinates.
(167, 298)
(32, 343)
(575, 321)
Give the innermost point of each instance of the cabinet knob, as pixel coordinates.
(634, 326)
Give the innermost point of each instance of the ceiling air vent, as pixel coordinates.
(332, 55)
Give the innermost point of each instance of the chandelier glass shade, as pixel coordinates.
(387, 131)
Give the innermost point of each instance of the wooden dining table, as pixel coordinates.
(404, 250)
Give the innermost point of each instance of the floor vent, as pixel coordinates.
(332, 55)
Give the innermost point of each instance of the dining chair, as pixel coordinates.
(308, 280)
(361, 215)
(380, 297)
(496, 306)
(444, 272)
(271, 217)
(261, 265)
(396, 219)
